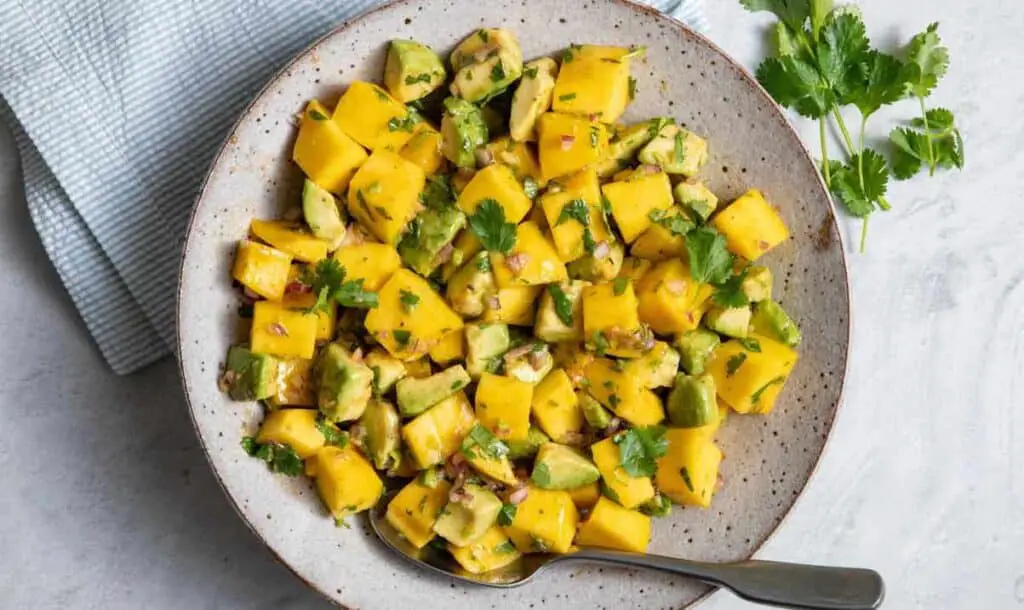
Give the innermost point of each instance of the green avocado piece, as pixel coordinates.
(431, 477)
(695, 347)
(464, 520)
(484, 344)
(412, 70)
(417, 395)
(486, 63)
(696, 198)
(772, 321)
(532, 97)
(594, 412)
(676, 151)
(248, 375)
(692, 402)
(344, 385)
(757, 285)
(561, 467)
(548, 326)
(432, 230)
(623, 148)
(463, 130)
(595, 269)
(663, 366)
(322, 214)
(468, 286)
(381, 426)
(529, 366)
(387, 370)
(729, 321)
(528, 448)
(658, 506)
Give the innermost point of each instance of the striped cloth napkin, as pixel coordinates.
(117, 107)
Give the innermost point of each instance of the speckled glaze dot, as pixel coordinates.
(768, 460)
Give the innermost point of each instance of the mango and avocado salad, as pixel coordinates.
(534, 313)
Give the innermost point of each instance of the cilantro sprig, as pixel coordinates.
(488, 224)
(640, 448)
(328, 283)
(823, 61)
(279, 458)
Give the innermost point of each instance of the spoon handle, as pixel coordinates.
(791, 585)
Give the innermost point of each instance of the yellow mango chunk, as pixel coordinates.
(628, 491)
(324, 153)
(688, 472)
(369, 261)
(633, 269)
(751, 225)
(658, 242)
(289, 238)
(346, 481)
(568, 234)
(568, 143)
(518, 156)
(424, 149)
(408, 335)
(545, 522)
(611, 322)
(515, 306)
(555, 407)
(370, 116)
(531, 262)
(280, 331)
(413, 511)
(451, 347)
(491, 551)
(499, 183)
(593, 80)
(503, 406)
(632, 201)
(294, 384)
(418, 369)
(262, 269)
(499, 469)
(586, 496)
(384, 195)
(750, 381)
(434, 435)
(611, 383)
(644, 409)
(326, 319)
(670, 300)
(611, 526)
(293, 427)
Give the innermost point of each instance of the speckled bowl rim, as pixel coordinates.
(777, 113)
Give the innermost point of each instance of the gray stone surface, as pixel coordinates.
(106, 501)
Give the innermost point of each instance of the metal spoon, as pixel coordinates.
(764, 582)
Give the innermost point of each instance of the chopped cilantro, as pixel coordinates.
(639, 449)
(541, 474)
(402, 337)
(279, 458)
(576, 209)
(619, 286)
(563, 305)
(482, 438)
(409, 300)
(734, 363)
(488, 224)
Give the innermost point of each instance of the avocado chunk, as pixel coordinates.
(529, 363)
(594, 412)
(486, 63)
(485, 343)
(658, 367)
(387, 370)
(431, 477)
(757, 285)
(623, 148)
(470, 285)
(522, 449)
(772, 321)
(557, 301)
(692, 401)
(417, 395)
(248, 375)
(676, 151)
(469, 516)
(594, 269)
(658, 506)
(695, 348)
(381, 429)
(344, 385)
(463, 130)
(429, 233)
(412, 70)
(729, 321)
(532, 97)
(695, 198)
(322, 214)
(561, 467)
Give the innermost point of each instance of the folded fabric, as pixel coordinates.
(117, 108)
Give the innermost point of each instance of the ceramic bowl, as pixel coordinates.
(768, 459)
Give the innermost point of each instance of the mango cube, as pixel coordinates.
(408, 335)
(370, 116)
(289, 238)
(611, 322)
(324, 153)
(568, 143)
(688, 472)
(293, 427)
(424, 149)
(384, 195)
(632, 201)
(611, 383)
(503, 406)
(280, 331)
(671, 301)
(518, 157)
(413, 511)
(346, 481)
(586, 496)
(593, 80)
(611, 526)
(750, 381)
(567, 233)
(499, 183)
(262, 269)
(751, 226)
(627, 490)
(545, 522)
(294, 384)
(643, 409)
(555, 406)
(659, 242)
(451, 347)
(369, 261)
(532, 261)
(434, 435)
(515, 306)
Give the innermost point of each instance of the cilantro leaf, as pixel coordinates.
(676, 224)
(910, 150)
(327, 281)
(331, 434)
(819, 11)
(937, 121)
(841, 48)
(619, 286)
(792, 12)
(488, 224)
(409, 300)
(506, 515)
(577, 210)
(710, 261)
(563, 306)
(279, 458)
(928, 61)
(884, 82)
(438, 193)
(352, 294)
(795, 83)
(860, 199)
(481, 438)
(730, 292)
(639, 449)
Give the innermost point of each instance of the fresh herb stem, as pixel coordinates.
(850, 149)
(864, 233)
(824, 153)
(928, 137)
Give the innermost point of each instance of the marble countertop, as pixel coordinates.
(107, 501)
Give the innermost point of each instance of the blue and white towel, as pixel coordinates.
(118, 107)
